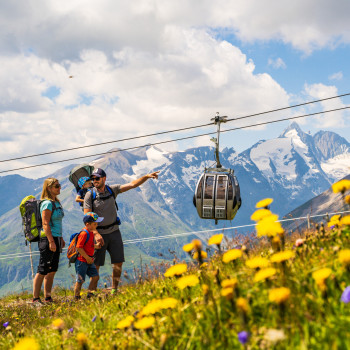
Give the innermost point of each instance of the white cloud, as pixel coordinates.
(332, 119)
(132, 93)
(277, 63)
(336, 76)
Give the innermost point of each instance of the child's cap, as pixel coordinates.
(91, 217)
(82, 181)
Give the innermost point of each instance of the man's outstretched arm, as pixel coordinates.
(139, 181)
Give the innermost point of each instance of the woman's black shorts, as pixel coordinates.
(48, 259)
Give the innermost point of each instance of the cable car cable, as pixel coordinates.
(170, 131)
(174, 140)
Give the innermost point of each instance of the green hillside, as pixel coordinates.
(272, 292)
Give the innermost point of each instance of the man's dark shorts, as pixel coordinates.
(49, 260)
(114, 245)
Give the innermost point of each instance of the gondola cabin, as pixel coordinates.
(217, 195)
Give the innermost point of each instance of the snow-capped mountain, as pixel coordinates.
(292, 168)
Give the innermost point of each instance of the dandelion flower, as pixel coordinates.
(27, 343)
(264, 203)
(227, 293)
(279, 295)
(269, 227)
(229, 283)
(58, 323)
(341, 186)
(176, 270)
(242, 304)
(260, 214)
(216, 239)
(257, 262)
(347, 199)
(197, 244)
(125, 323)
(320, 277)
(205, 289)
(345, 221)
(168, 303)
(231, 255)
(282, 256)
(187, 281)
(345, 297)
(188, 247)
(151, 308)
(145, 323)
(264, 274)
(81, 338)
(204, 255)
(344, 257)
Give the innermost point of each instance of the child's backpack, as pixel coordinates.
(80, 171)
(31, 218)
(72, 253)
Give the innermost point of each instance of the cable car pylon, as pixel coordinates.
(217, 194)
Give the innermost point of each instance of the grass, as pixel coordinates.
(297, 305)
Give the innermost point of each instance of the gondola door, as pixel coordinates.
(221, 197)
(208, 196)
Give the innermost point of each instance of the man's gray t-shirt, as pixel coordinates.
(104, 208)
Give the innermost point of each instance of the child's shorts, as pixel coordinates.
(82, 269)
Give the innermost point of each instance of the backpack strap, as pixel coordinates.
(94, 195)
(87, 233)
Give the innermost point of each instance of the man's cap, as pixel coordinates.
(82, 181)
(91, 217)
(99, 173)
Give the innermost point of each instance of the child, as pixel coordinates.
(84, 264)
(84, 183)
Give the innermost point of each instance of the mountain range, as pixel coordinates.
(292, 168)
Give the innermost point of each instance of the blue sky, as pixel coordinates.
(73, 74)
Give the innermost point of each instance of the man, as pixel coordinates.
(101, 200)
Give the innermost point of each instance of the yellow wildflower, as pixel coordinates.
(151, 308)
(264, 203)
(216, 239)
(227, 293)
(126, 322)
(187, 281)
(27, 343)
(232, 254)
(204, 255)
(168, 303)
(264, 274)
(205, 289)
(260, 214)
(176, 270)
(197, 244)
(242, 304)
(282, 256)
(345, 221)
(321, 275)
(334, 221)
(188, 247)
(279, 295)
(347, 199)
(229, 283)
(344, 257)
(268, 226)
(257, 262)
(341, 186)
(58, 323)
(145, 322)
(81, 338)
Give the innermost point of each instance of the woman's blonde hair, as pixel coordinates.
(46, 194)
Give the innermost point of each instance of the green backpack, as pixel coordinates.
(31, 217)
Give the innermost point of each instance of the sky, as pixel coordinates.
(75, 73)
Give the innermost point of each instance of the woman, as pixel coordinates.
(51, 241)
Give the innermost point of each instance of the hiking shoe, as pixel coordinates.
(37, 302)
(48, 300)
(77, 297)
(113, 291)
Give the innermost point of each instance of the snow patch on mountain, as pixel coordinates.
(155, 158)
(337, 167)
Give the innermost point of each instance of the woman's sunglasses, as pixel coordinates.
(57, 186)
